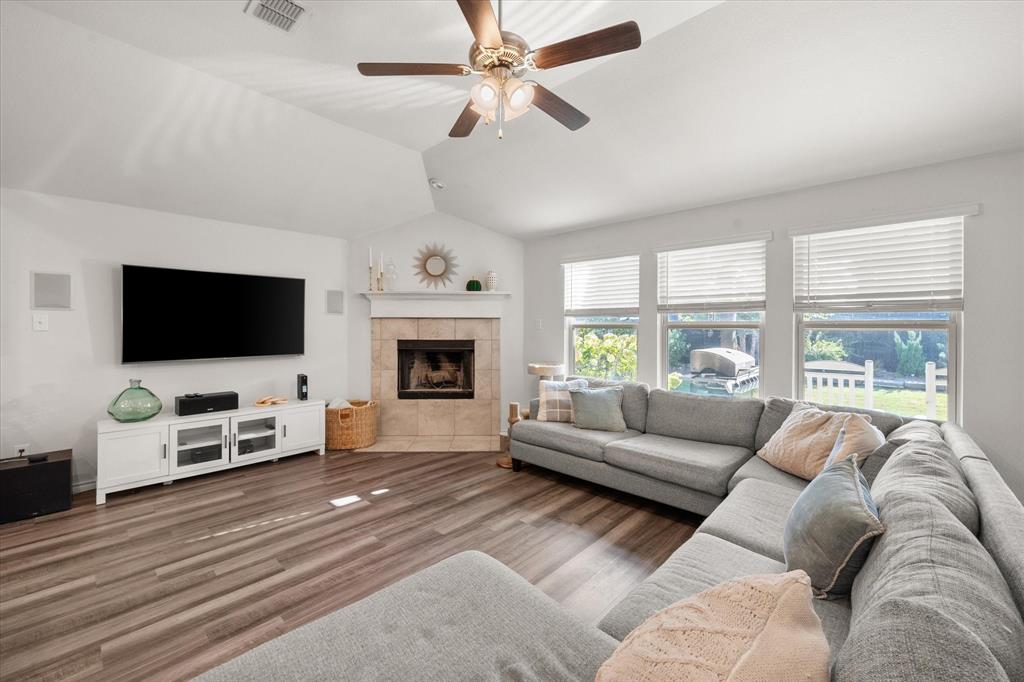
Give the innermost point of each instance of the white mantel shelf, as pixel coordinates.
(434, 303)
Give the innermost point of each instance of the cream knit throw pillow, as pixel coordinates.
(761, 627)
(804, 441)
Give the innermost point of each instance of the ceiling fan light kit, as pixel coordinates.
(502, 58)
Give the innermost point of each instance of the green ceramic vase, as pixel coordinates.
(474, 285)
(134, 404)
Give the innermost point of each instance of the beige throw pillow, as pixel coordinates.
(857, 437)
(803, 443)
(761, 627)
(556, 401)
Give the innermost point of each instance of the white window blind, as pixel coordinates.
(723, 277)
(907, 266)
(606, 287)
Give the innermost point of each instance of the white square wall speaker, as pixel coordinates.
(334, 301)
(51, 291)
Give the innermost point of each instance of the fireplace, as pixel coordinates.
(435, 369)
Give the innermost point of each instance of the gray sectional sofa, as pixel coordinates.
(939, 597)
(683, 450)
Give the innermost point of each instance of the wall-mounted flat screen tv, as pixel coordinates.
(169, 314)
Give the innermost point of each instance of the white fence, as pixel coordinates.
(835, 382)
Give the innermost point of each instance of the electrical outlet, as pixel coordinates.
(22, 450)
(40, 322)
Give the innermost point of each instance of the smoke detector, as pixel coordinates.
(280, 13)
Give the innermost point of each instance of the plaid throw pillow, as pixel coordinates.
(555, 400)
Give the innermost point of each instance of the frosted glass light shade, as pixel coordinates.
(518, 95)
(485, 94)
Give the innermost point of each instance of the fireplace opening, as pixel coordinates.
(435, 369)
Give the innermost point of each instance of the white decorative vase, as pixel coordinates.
(491, 281)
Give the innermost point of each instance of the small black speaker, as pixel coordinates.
(200, 403)
(30, 489)
(302, 387)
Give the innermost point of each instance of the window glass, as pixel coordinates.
(714, 361)
(608, 352)
(901, 370)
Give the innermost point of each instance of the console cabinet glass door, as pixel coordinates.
(255, 436)
(196, 446)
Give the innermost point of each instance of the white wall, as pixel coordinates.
(55, 385)
(84, 115)
(476, 250)
(993, 330)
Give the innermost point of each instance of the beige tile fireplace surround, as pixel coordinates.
(432, 424)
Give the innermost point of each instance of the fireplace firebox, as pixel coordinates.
(435, 369)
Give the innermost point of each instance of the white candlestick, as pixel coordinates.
(371, 256)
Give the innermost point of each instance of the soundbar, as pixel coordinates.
(201, 403)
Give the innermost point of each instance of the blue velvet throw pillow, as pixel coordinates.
(599, 409)
(831, 528)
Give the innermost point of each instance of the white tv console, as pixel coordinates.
(168, 447)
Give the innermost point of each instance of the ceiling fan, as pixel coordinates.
(502, 58)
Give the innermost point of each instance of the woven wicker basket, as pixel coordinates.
(352, 427)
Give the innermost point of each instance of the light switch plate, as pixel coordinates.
(40, 322)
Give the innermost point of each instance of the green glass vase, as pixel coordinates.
(134, 404)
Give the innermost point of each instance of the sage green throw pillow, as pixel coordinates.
(831, 528)
(599, 409)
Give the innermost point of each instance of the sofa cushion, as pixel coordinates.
(758, 627)
(598, 409)
(702, 562)
(634, 399)
(466, 618)
(1002, 514)
(555, 404)
(701, 466)
(777, 409)
(918, 430)
(758, 469)
(711, 419)
(926, 556)
(912, 642)
(567, 438)
(931, 468)
(803, 443)
(873, 462)
(831, 528)
(753, 516)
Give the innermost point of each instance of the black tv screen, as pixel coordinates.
(169, 314)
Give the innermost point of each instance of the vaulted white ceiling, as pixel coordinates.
(722, 101)
(314, 65)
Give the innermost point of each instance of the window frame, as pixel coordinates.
(953, 327)
(571, 325)
(666, 326)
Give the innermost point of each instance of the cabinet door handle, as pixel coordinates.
(285, 430)
(165, 451)
(225, 441)
(234, 439)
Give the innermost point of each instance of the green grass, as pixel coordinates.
(903, 402)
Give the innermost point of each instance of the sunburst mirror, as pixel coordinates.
(434, 265)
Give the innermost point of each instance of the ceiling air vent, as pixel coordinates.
(280, 13)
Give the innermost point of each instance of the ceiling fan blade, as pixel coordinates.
(558, 109)
(412, 69)
(482, 22)
(618, 38)
(465, 123)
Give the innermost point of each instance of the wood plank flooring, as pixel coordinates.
(168, 581)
